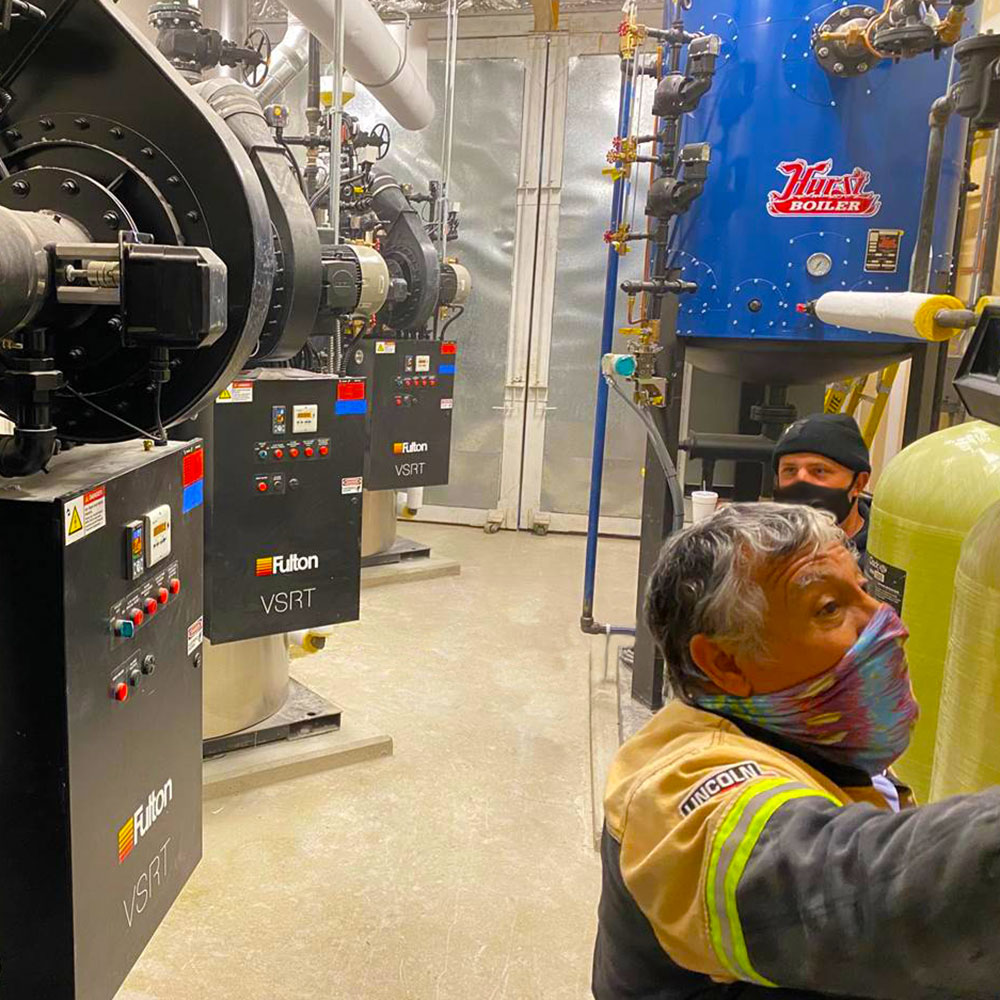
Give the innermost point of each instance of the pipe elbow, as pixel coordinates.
(26, 451)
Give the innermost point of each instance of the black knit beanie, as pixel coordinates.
(833, 435)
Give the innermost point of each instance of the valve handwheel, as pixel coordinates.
(380, 137)
(259, 42)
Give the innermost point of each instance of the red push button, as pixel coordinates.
(323, 450)
(279, 453)
(175, 586)
(163, 595)
(121, 692)
(408, 382)
(399, 400)
(151, 606)
(309, 453)
(262, 487)
(137, 617)
(294, 452)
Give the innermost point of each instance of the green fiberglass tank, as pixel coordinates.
(967, 758)
(926, 502)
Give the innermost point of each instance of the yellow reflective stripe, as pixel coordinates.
(725, 930)
(739, 864)
(729, 824)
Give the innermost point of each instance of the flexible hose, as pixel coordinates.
(662, 453)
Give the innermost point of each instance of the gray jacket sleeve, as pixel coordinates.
(852, 900)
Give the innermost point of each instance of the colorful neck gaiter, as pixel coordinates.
(861, 712)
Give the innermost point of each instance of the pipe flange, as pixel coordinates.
(69, 194)
(847, 54)
(116, 156)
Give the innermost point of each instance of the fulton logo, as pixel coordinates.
(277, 565)
(142, 820)
(812, 190)
(409, 447)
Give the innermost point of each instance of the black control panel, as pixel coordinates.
(283, 529)
(411, 385)
(100, 717)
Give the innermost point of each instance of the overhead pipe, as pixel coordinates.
(371, 56)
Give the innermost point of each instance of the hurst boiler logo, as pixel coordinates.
(812, 190)
(141, 821)
(279, 565)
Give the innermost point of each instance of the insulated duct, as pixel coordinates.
(287, 61)
(371, 56)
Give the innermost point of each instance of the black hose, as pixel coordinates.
(451, 319)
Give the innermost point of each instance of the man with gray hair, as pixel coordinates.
(745, 844)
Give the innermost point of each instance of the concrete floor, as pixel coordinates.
(462, 868)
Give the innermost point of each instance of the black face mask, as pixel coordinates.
(837, 502)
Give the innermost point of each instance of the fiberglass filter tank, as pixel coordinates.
(967, 758)
(926, 501)
(814, 185)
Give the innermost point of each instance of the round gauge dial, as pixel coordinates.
(819, 265)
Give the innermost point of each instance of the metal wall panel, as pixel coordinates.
(591, 120)
(485, 161)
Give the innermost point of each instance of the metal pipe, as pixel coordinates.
(287, 61)
(370, 55)
(607, 340)
(337, 120)
(233, 26)
(920, 266)
(451, 65)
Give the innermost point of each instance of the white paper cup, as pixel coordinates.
(703, 504)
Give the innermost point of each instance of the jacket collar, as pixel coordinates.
(842, 775)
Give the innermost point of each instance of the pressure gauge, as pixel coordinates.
(819, 265)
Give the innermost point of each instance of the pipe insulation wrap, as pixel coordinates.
(371, 56)
(905, 314)
(287, 61)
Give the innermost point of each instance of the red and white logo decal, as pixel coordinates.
(812, 190)
(719, 782)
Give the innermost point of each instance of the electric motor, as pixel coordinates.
(456, 283)
(355, 280)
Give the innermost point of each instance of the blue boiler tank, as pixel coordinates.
(814, 185)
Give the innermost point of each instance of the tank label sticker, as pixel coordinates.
(351, 484)
(385, 347)
(236, 392)
(811, 190)
(85, 514)
(882, 250)
(447, 404)
(886, 583)
(196, 633)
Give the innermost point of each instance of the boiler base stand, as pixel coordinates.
(402, 549)
(304, 713)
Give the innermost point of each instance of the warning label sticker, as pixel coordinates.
(447, 404)
(236, 392)
(351, 484)
(196, 633)
(886, 583)
(85, 514)
(423, 362)
(385, 347)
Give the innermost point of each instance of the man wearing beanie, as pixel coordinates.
(822, 461)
